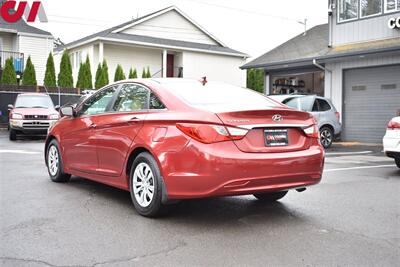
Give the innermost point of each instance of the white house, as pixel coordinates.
(19, 40)
(167, 41)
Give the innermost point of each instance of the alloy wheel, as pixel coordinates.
(326, 137)
(143, 184)
(53, 160)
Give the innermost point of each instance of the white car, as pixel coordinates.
(391, 140)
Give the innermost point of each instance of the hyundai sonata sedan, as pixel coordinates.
(173, 139)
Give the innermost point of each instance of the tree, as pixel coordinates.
(81, 74)
(144, 74)
(148, 74)
(99, 79)
(119, 73)
(105, 72)
(65, 78)
(255, 80)
(50, 75)
(132, 73)
(8, 76)
(29, 75)
(87, 81)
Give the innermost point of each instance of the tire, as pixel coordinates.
(271, 197)
(326, 134)
(54, 163)
(13, 135)
(397, 162)
(145, 184)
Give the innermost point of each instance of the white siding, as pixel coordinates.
(171, 25)
(38, 48)
(335, 92)
(8, 42)
(214, 67)
(130, 56)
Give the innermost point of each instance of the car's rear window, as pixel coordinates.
(219, 97)
(34, 101)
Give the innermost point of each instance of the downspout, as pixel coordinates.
(315, 63)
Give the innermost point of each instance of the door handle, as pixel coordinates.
(134, 120)
(93, 125)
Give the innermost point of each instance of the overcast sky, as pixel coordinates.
(250, 26)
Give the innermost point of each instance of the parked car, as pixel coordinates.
(391, 140)
(322, 109)
(32, 113)
(172, 139)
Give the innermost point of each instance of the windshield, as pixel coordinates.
(303, 103)
(219, 97)
(33, 101)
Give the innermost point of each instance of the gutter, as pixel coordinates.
(315, 63)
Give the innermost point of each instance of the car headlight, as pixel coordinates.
(16, 116)
(54, 117)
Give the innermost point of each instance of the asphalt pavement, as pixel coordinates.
(352, 218)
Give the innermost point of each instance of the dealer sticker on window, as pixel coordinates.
(276, 137)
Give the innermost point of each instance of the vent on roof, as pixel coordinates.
(359, 87)
(388, 86)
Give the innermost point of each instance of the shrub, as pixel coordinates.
(99, 79)
(148, 74)
(132, 73)
(8, 76)
(144, 73)
(105, 72)
(29, 75)
(80, 82)
(119, 73)
(65, 78)
(50, 75)
(255, 80)
(87, 80)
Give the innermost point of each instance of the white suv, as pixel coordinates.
(391, 140)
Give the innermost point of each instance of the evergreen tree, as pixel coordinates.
(105, 72)
(132, 73)
(8, 76)
(119, 73)
(65, 78)
(88, 82)
(99, 79)
(29, 75)
(79, 82)
(255, 80)
(144, 74)
(50, 75)
(148, 74)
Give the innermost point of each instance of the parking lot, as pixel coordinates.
(352, 218)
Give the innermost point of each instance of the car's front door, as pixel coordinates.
(115, 131)
(78, 140)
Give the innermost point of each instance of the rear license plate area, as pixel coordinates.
(276, 137)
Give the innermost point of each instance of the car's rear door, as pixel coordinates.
(115, 131)
(78, 139)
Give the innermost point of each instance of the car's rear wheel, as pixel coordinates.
(13, 134)
(54, 163)
(397, 162)
(270, 197)
(146, 185)
(326, 136)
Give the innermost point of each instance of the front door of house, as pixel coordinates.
(170, 65)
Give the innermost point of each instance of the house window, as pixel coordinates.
(391, 5)
(348, 10)
(78, 59)
(370, 7)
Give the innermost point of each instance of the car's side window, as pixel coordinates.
(132, 97)
(97, 104)
(323, 105)
(315, 107)
(155, 102)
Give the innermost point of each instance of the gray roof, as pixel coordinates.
(108, 33)
(302, 49)
(311, 45)
(21, 27)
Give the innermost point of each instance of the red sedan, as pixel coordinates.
(171, 139)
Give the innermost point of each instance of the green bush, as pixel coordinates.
(8, 76)
(65, 78)
(105, 72)
(148, 74)
(99, 79)
(29, 75)
(119, 74)
(144, 73)
(132, 73)
(88, 82)
(255, 80)
(79, 82)
(50, 75)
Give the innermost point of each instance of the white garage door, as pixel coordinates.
(371, 99)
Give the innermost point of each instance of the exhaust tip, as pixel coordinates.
(301, 189)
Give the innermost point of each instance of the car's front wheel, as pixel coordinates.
(397, 162)
(326, 136)
(146, 185)
(270, 197)
(54, 163)
(13, 134)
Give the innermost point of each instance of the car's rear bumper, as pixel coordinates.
(220, 169)
(391, 143)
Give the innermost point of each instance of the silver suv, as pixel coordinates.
(325, 113)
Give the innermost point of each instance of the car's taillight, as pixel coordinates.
(337, 114)
(393, 125)
(210, 133)
(312, 131)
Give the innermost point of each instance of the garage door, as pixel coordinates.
(371, 99)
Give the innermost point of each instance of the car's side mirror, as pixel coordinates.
(10, 107)
(57, 107)
(67, 111)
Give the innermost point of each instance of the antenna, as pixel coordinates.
(305, 25)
